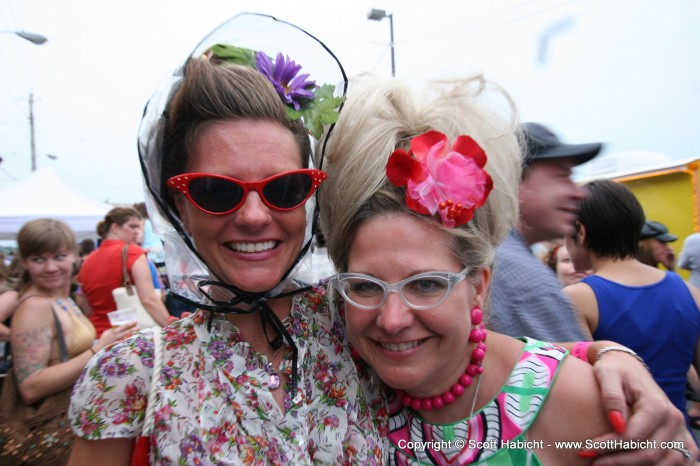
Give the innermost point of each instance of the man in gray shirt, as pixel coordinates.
(526, 298)
(690, 258)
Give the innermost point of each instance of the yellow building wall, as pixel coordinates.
(670, 197)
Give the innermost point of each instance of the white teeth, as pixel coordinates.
(400, 346)
(253, 247)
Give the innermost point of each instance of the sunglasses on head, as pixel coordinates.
(220, 195)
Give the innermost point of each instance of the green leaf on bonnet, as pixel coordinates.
(239, 55)
(320, 111)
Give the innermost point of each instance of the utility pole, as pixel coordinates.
(31, 130)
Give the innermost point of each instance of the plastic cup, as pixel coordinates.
(122, 316)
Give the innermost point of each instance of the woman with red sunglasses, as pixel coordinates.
(260, 374)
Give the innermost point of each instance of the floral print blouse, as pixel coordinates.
(213, 404)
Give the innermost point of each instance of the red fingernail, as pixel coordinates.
(587, 454)
(617, 421)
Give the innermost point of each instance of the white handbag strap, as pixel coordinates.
(126, 279)
(149, 417)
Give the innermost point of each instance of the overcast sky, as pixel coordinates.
(623, 72)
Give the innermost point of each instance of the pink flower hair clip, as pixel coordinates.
(440, 178)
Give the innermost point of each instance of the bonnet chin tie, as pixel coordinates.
(268, 316)
(255, 302)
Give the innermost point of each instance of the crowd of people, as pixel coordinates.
(424, 331)
(653, 311)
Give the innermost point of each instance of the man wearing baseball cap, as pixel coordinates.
(658, 230)
(653, 245)
(526, 297)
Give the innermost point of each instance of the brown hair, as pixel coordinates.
(119, 216)
(140, 207)
(13, 275)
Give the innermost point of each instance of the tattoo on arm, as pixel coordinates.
(31, 352)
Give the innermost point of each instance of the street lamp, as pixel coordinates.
(378, 15)
(32, 37)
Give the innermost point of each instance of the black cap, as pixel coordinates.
(658, 230)
(543, 144)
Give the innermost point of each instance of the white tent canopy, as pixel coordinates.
(42, 194)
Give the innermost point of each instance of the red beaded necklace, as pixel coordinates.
(475, 367)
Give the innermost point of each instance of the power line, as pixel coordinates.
(441, 36)
(2, 169)
(13, 83)
(130, 143)
(485, 18)
(381, 57)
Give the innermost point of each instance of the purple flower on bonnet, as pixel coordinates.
(283, 75)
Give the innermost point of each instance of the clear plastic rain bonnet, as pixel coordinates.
(189, 277)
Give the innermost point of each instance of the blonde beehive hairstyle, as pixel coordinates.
(382, 115)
